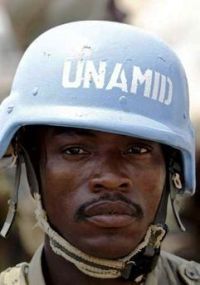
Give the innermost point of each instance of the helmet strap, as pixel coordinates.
(22, 155)
(14, 199)
(176, 187)
(146, 260)
(31, 175)
(173, 193)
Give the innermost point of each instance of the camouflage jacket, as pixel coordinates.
(169, 270)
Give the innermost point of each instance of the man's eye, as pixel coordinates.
(138, 150)
(74, 151)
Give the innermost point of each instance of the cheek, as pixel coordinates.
(152, 189)
(60, 184)
(56, 182)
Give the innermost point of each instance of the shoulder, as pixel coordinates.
(25, 273)
(179, 270)
(15, 275)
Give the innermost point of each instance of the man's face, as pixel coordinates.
(100, 190)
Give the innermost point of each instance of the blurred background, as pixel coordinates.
(175, 21)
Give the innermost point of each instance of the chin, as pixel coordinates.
(109, 248)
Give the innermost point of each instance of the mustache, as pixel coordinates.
(80, 214)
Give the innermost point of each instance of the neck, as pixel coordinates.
(58, 271)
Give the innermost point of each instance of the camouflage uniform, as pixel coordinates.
(169, 270)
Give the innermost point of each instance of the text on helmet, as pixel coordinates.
(155, 85)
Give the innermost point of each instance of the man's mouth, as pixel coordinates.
(111, 214)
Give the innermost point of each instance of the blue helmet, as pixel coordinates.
(103, 76)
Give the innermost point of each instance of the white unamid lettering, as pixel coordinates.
(168, 99)
(67, 72)
(87, 74)
(156, 86)
(162, 89)
(118, 79)
(141, 78)
(93, 75)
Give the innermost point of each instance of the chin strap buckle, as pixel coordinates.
(145, 260)
(128, 268)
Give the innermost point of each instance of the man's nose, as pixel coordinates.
(110, 181)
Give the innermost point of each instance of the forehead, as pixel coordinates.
(68, 132)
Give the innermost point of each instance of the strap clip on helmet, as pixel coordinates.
(176, 186)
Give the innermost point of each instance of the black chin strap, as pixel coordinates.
(176, 187)
(31, 175)
(145, 260)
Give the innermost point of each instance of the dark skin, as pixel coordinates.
(101, 192)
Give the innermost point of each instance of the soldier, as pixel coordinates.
(99, 114)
